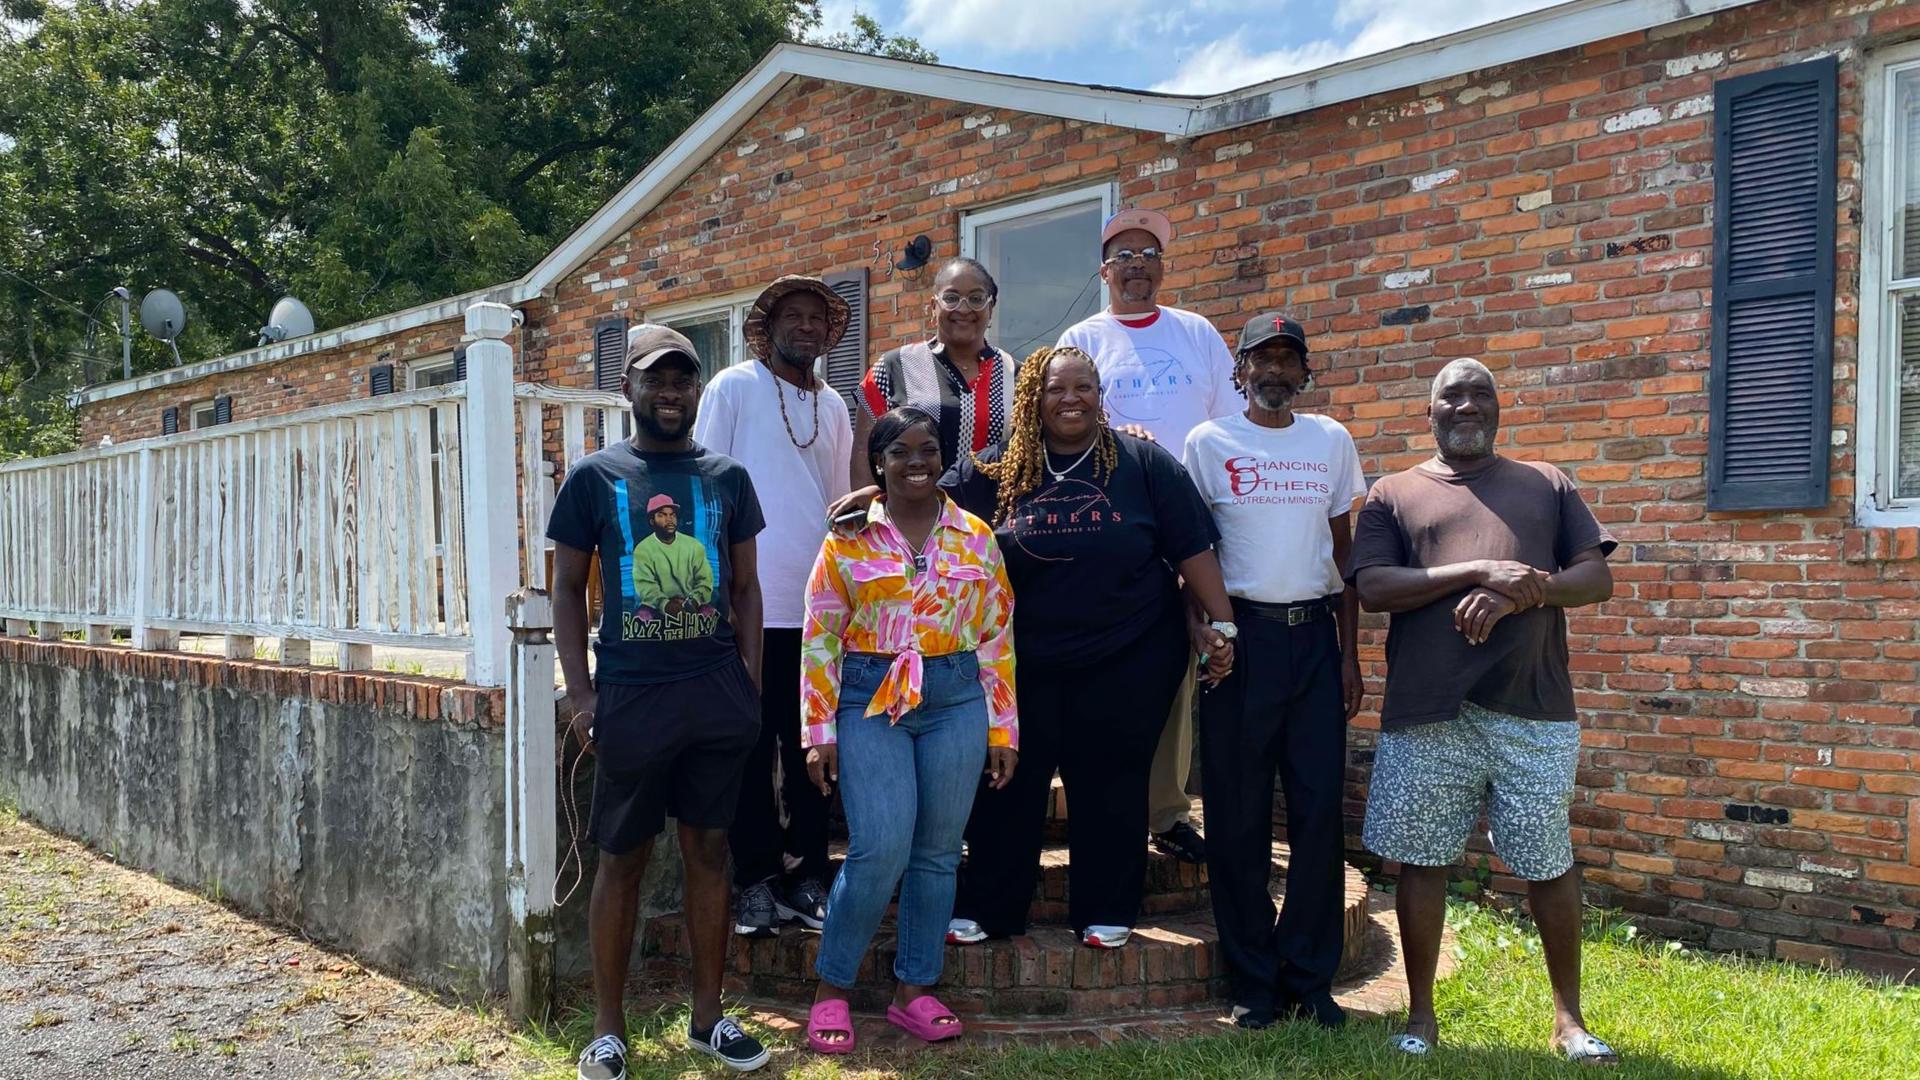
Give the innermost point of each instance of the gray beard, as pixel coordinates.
(1465, 445)
(798, 363)
(1276, 401)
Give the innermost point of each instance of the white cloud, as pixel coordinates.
(1011, 26)
(1364, 27)
(836, 16)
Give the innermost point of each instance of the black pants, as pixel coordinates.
(780, 813)
(1098, 725)
(1281, 707)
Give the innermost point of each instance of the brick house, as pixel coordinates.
(1640, 224)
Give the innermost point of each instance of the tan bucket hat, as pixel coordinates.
(839, 315)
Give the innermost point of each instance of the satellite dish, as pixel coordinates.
(288, 319)
(163, 315)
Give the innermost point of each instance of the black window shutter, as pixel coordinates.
(609, 353)
(380, 380)
(170, 421)
(223, 409)
(1775, 168)
(460, 364)
(847, 361)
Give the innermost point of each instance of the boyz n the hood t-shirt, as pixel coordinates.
(664, 525)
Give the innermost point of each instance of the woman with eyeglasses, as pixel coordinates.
(959, 379)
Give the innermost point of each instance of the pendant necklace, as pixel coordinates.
(919, 560)
(1061, 474)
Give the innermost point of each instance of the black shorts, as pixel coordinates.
(670, 748)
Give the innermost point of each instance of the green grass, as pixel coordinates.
(1672, 1013)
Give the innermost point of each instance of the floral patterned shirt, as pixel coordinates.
(865, 597)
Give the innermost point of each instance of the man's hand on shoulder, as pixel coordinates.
(1524, 585)
(1478, 611)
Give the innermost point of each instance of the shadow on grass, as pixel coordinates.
(1294, 1051)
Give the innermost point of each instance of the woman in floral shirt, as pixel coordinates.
(907, 683)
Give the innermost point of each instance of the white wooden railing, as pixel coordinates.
(581, 420)
(387, 521)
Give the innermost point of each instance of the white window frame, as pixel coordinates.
(210, 407)
(733, 305)
(1876, 367)
(972, 220)
(419, 369)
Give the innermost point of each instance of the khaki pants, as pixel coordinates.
(1167, 800)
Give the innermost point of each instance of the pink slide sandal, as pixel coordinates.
(828, 1017)
(921, 1019)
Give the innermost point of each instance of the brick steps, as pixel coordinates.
(1171, 963)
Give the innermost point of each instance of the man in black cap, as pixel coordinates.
(1281, 485)
(673, 707)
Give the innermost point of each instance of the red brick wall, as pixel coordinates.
(303, 382)
(1750, 694)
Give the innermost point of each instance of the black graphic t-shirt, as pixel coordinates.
(1091, 561)
(663, 525)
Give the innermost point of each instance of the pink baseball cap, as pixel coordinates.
(1152, 221)
(660, 502)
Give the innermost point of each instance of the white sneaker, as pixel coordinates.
(1106, 937)
(965, 932)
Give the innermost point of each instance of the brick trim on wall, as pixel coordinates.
(441, 701)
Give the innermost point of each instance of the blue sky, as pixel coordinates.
(1178, 46)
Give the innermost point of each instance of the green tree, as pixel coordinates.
(364, 155)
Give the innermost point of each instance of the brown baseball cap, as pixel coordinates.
(650, 343)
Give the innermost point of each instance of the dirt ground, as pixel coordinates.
(106, 972)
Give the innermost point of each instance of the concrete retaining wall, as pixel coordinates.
(365, 809)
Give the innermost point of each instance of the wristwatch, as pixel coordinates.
(1226, 629)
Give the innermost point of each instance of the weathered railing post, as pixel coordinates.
(530, 795)
(144, 635)
(492, 493)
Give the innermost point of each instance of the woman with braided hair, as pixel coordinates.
(1097, 528)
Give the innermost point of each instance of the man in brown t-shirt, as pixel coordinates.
(1477, 557)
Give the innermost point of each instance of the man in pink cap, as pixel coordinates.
(1165, 370)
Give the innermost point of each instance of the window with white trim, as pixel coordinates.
(715, 326)
(1044, 254)
(432, 371)
(204, 414)
(1888, 459)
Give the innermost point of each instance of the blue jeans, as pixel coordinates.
(907, 789)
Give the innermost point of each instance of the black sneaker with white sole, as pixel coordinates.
(755, 913)
(805, 900)
(605, 1058)
(736, 1049)
(1183, 842)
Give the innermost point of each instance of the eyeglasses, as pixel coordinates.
(1128, 255)
(973, 301)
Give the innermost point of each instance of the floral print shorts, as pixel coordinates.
(1429, 782)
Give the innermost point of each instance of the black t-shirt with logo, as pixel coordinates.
(1091, 560)
(664, 525)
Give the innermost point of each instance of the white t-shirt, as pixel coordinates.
(740, 417)
(1272, 491)
(1167, 377)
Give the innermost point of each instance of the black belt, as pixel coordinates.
(1292, 614)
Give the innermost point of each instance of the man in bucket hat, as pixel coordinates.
(673, 706)
(792, 432)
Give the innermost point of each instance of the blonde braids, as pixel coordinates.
(1023, 459)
